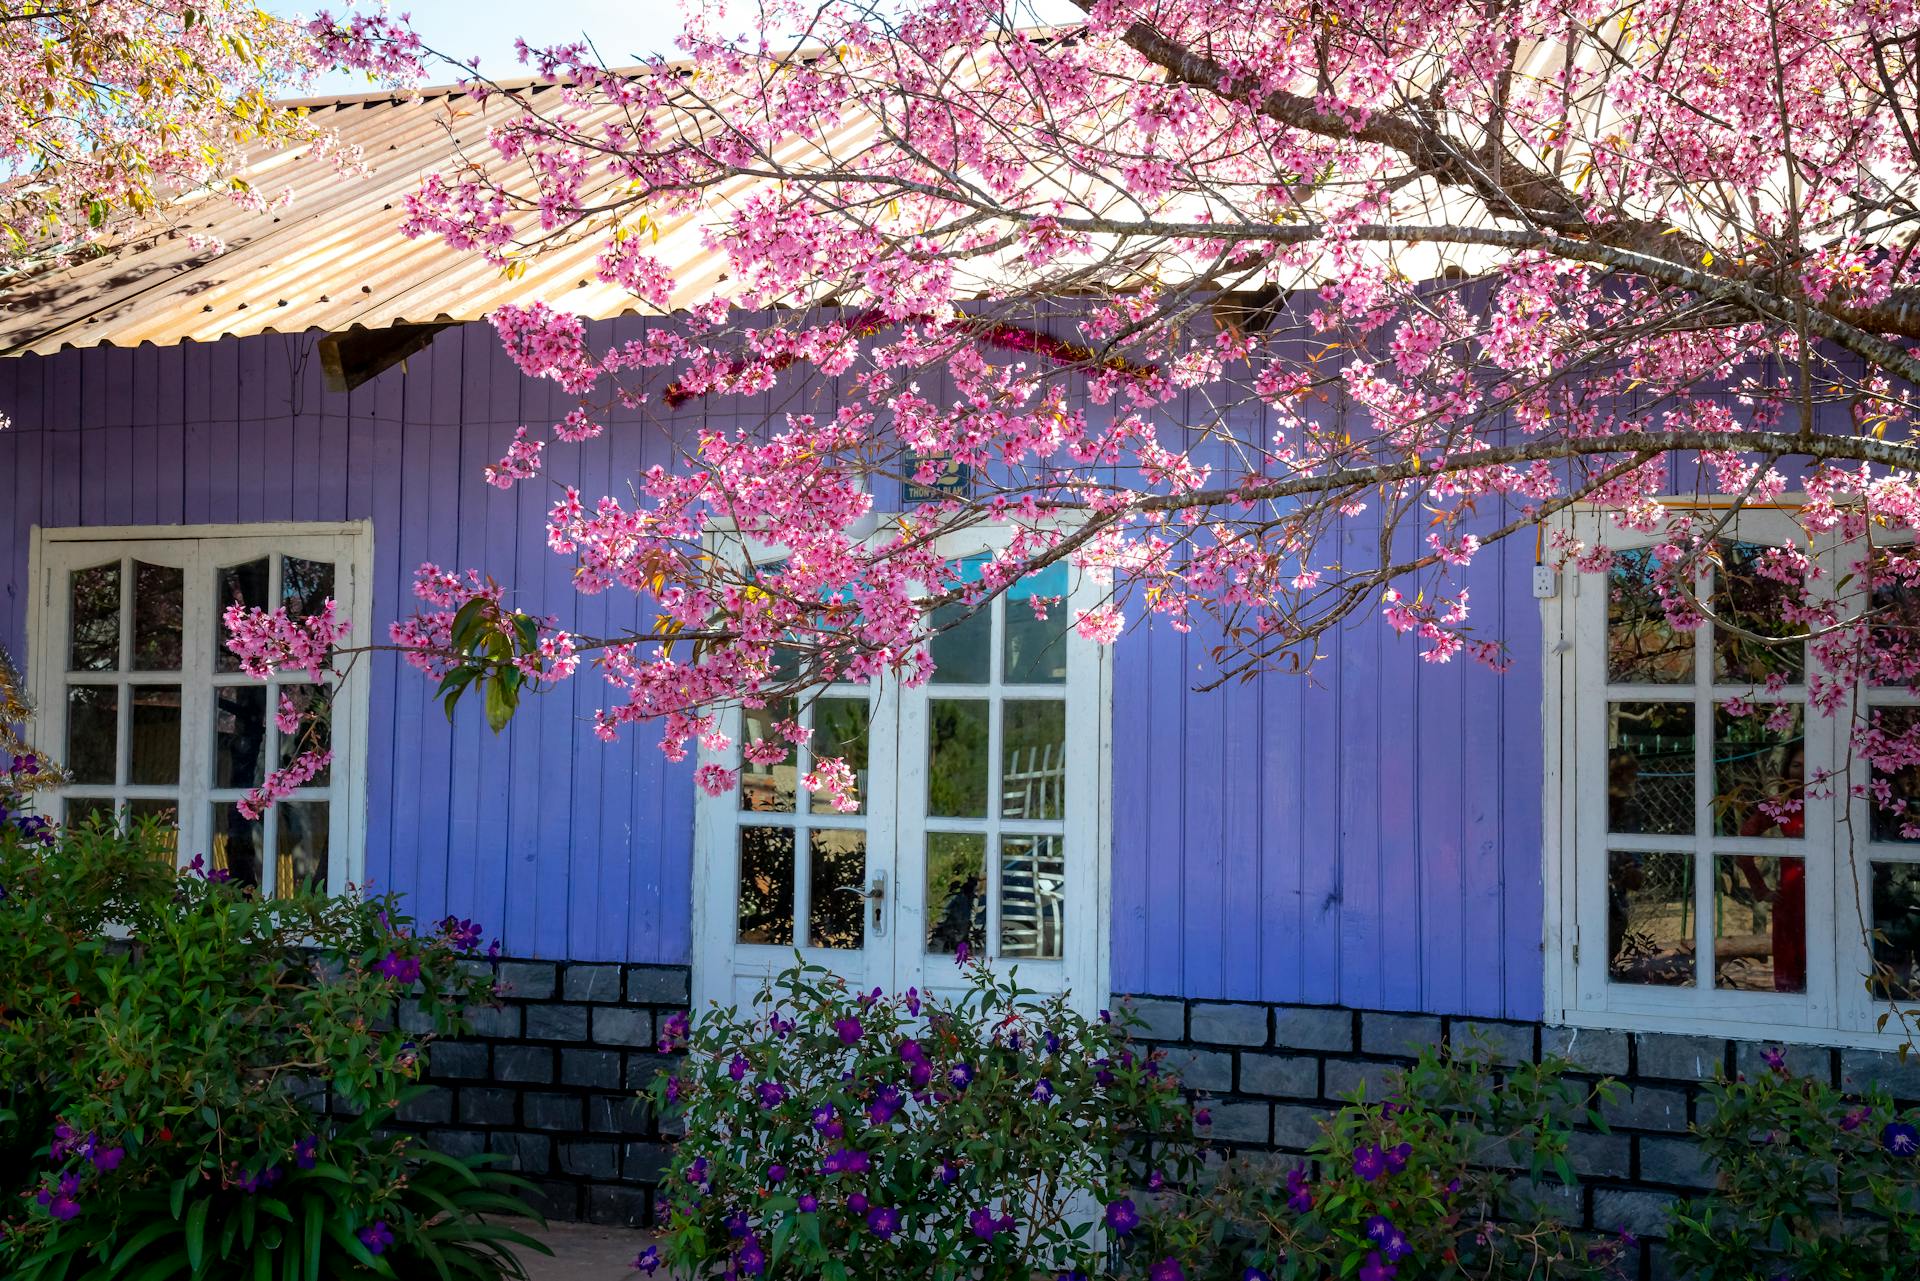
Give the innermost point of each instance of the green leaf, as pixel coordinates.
(500, 705)
(197, 1232)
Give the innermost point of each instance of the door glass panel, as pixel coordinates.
(1035, 649)
(315, 734)
(235, 585)
(840, 728)
(1650, 919)
(768, 788)
(1033, 759)
(1033, 875)
(836, 914)
(956, 890)
(301, 835)
(957, 757)
(1896, 921)
(1756, 608)
(305, 585)
(1759, 769)
(93, 725)
(94, 619)
(239, 845)
(1642, 647)
(239, 735)
(1760, 923)
(1650, 767)
(159, 595)
(766, 885)
(962, 646)
(1893, 802)
(156, 734)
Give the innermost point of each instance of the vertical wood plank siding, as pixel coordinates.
(1366, 836)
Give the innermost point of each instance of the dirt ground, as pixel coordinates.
(583, 1252)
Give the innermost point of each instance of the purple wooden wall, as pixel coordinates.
(1366, 837)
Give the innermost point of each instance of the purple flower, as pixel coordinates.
(857, 1203)
(1369, 1162)
(1299, 1197)
(1377, 1269)
(1053, 1043)
(1254, 1274)
(885, 1105)
(377, 1237)
(1397, 1157)
(750, 1258)
(306, 1151)
(674, 1089)
(62, 1200)
(648, 1260)
(64, 1141)
(1156, 1181)
(846, 1161)
(913, 1002)
(1900, 1139)
(883, 1222)
(697, 1172)
(462, 934)
(772, 1094)
(739, 1225)
(737, 1067)
(1043, 1091)
(776, 1173)
(1101, 1074)
(1168, 1269)
(848, 1030)
(948, 1174)
(107, 1159)
(1854, 1120)
(401, 969)
(807, 1203)
(1202, 1117)
(960, 1076)
(1122, 1216)
(1392, 1242)
(961, 952)
(1775, 1058)
(986, 1227)
(674, 1031)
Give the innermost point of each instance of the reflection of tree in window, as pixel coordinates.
(159, 596)
(766, 885)
(1650, 919)
(304, 585)
(1893, 650)
(836, 887)
(1759, 760)
(94, 619)
(1746, 599)
(1642, 646)
(244, 585)
(1896, 924)
(956, 890)
(957, 758)
(1893, 803)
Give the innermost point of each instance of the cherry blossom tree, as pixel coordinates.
(1193, 291)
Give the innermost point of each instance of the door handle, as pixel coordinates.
(877, 896)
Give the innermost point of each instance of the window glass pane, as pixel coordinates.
(1760, 923)
(1650, 919)
(1893, 802)
(957, 757)
(166, 815)
(1033, 759)
(1035, 650)
(94, 619)
(962, 645)
(235, 585)
(239, 735)
(239, 845)
(93, 723)
(956, 890)
(1894, 652)
(311, 734)
(1033, 877)
(768, 789)
(840, 728)
(1759, 770)
(159, 595)
(1650, 767)
(301, 831)
(836, 914)
(1896, 920)
(305, 585)
(1753, 603)
(1642, 647)
(766, 885)
(83, 811)
(156, 734)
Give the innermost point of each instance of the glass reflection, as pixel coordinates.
(962, 645)
(155, 739)
(840, 728)
(315, 732)
(1755, 606)
(93, 733)
(1896, 923)
(1033, 878)
(239, 845)
(766, 885)
(1650, 768)
(956, 891)
(301, 833)
(768, 789)
(1893, 653)
(239, 735)
(1760, 923)
(305, 585)
(1650, 919)
(1759, 771)
(1033, 759)
(836, 885)
(88, 811)
(957, 760)
(1035, 649)
(1642, 646)
(159, 596)
(165, 816)
(1893, 802)
(235, 585)
(94, 619)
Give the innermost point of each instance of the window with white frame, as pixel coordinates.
(1715, 862)
(149, 712)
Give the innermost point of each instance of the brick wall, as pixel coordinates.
(1274, 1072)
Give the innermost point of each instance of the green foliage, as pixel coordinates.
(1791, 1151)
(164, 1041)
(1424, 1184)
(994, 1126)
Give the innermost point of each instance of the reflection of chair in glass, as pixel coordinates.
(1034, 782)
(1031, 873)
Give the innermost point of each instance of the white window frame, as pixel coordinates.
(200, 549)
(1835, 1009)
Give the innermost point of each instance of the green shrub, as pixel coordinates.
(1791, 1152)
(164, 1042)
(1424, 1184)
(833, 1134)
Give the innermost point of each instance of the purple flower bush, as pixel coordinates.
(159, 1090)
(1789, 1149)
(834, 1133)
(1423, 1184)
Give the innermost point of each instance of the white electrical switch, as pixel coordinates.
(1545, 582)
